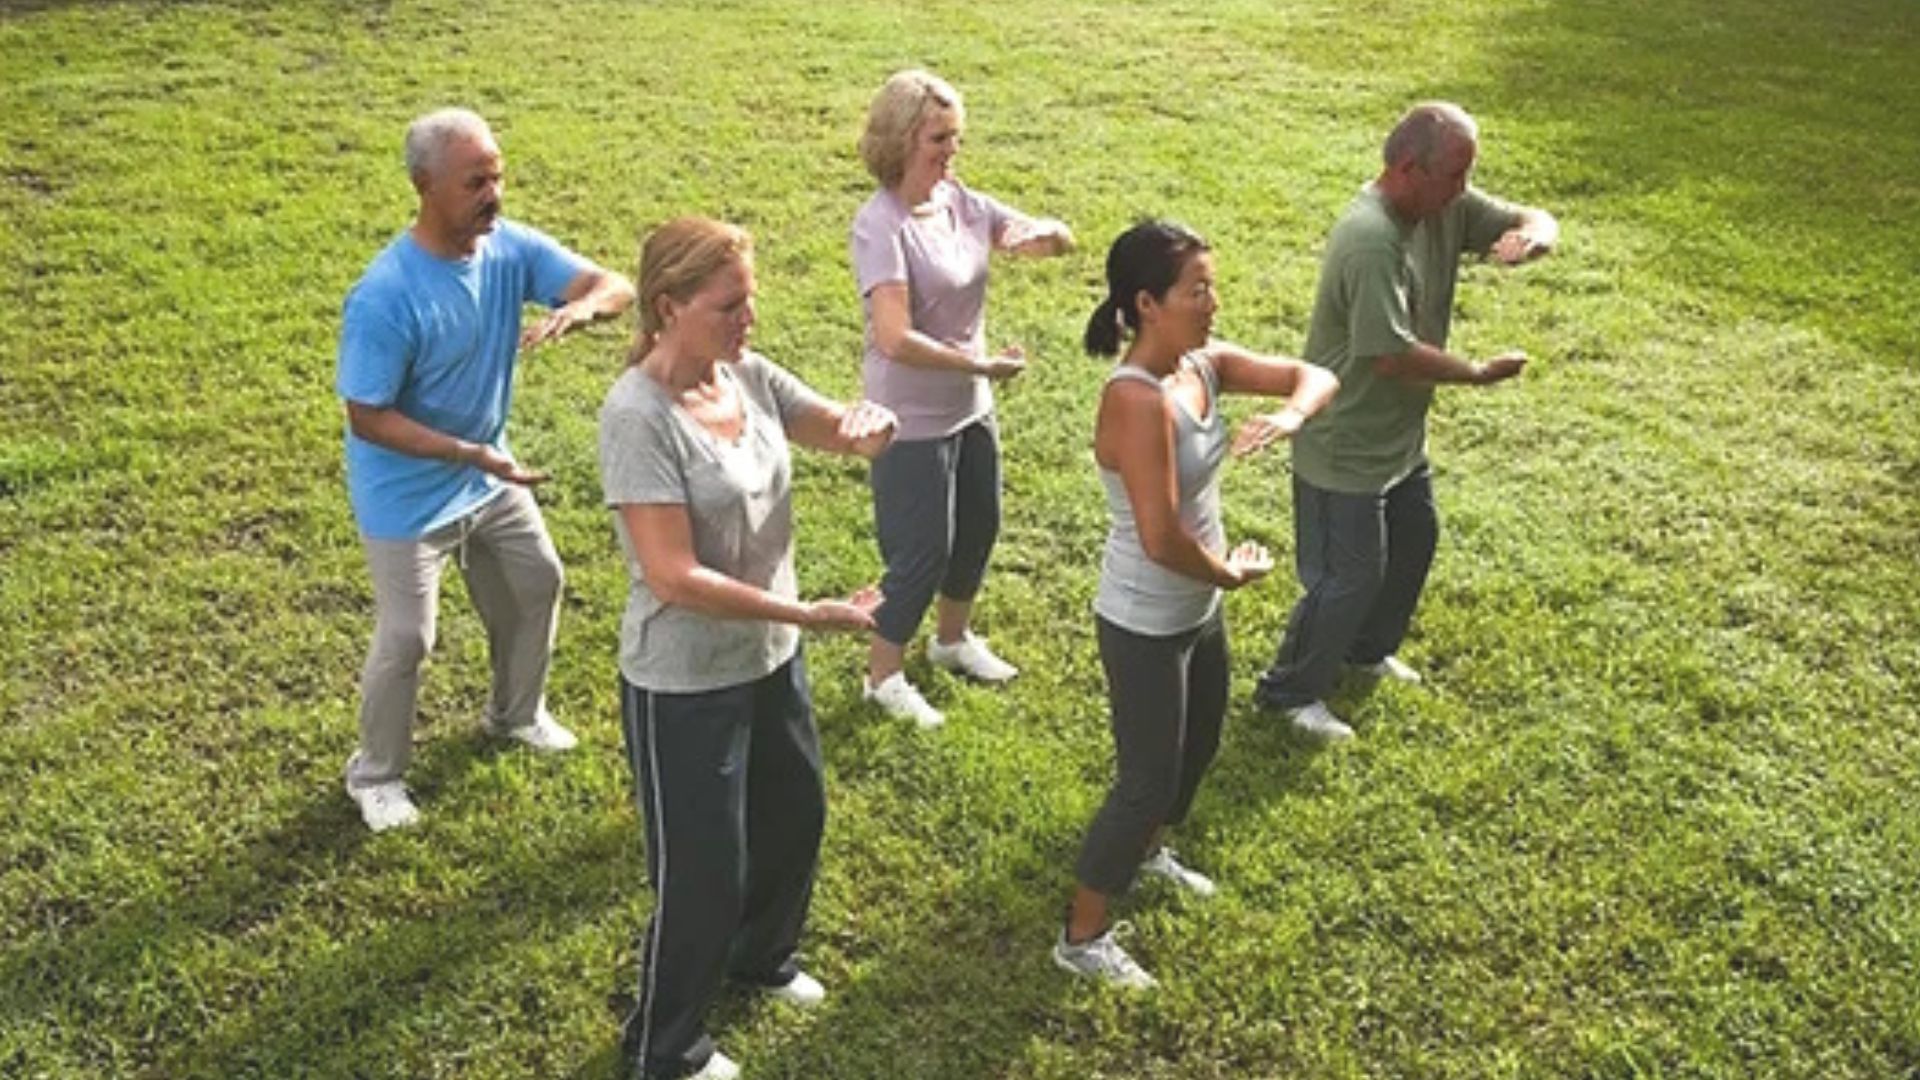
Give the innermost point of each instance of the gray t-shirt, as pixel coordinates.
(1135, 592)
(942, 258)
(1384, 284)
(739, 503)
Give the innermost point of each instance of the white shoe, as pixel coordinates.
(1102, 959)
(898, 697)
(1391, 668)
(385, 806)
(970, 656)
(1318, 721)
(718, 1067)
(545, 734)
(1162, 864)
(803, 990)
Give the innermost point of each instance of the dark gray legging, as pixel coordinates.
(936, 507)
(1168, 697)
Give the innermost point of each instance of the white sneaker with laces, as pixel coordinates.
(803, 990)
(545, 734)
(1318, 721)
(718, 1067)
(970, 656)
(385, 806)
(899, 699)
(1162, 864)
(1102, 959)
(1392, 667)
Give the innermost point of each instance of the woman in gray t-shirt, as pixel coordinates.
(1160, 442)
(715, 706)
(920, 254)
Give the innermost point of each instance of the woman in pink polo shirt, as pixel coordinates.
(920, 253)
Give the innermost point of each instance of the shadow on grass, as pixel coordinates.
(343, 997)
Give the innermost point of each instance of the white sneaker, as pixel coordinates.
(1162, 864)
(718, 1067)
(970, 656)
(899, 699)
(1102, 959)
(385, 806)
(1318, 721)
(1391, 668)
(803, 990)
(545, 734)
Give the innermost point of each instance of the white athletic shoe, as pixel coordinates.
(898, 698)
(803, 990)
(1162, 864)
(718, 1067)
(970, 656)
(1102, 959)
(545, 734)
(1316, 720)
(1391, 668)
(385, 806)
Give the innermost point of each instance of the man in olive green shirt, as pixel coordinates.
(1364, 521)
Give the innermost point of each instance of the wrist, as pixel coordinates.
(1477, 374)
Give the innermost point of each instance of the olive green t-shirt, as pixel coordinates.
(1384, 284)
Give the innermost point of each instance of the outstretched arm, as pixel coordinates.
(663, 541)
(862, 429)
(593, 294)
(894, 335)
(1422, 362)
(1307, 388)
(1531, 237)
(395, 430)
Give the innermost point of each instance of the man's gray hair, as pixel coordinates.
(428, 136)
(1421, 132)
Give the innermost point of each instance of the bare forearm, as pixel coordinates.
(394, 430)
(710, 592)
(1424, 363)
(915, 349)
(1179, 551)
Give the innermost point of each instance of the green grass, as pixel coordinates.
(1655, 817)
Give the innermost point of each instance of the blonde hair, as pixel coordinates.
(904, 102)
(678, 258)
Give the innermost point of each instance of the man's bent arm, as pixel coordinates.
(1422, 362)
(396, 431)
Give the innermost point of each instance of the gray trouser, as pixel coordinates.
(936, 507)
(513, 574)
(1168, 697)
(1363, 560)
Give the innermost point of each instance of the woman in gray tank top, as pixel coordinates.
(1160, 441)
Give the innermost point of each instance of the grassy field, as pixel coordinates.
(1655, 815)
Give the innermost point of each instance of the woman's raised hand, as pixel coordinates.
(868, 428)
(1249, 562)
(852, 614)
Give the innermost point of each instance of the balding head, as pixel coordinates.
(1427, 130)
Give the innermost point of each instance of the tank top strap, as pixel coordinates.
(1128, 371)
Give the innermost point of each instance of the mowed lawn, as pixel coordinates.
(1655, 814)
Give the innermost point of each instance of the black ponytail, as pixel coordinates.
(1146, 258)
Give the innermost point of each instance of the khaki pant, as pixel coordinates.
(513, 574)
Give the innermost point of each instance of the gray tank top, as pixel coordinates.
(1135, 592)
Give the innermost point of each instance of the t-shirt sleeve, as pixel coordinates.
(1379, 317)
(878, 256)
(639, 460)
(791, 397)
(550, 267)
(994, 214)
(375, 351)
(1485, 220)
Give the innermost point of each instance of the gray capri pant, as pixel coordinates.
(1168, 697)
(936, 508)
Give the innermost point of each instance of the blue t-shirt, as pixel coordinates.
(436, 339)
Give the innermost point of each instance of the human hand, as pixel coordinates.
(1500, 368)
(1038, 236)
(1517, 245)
(1011, 361)
(1262, 431)
(554, 324)
(854, 613)
(1249, 562)
(867, 428)
(488, 459)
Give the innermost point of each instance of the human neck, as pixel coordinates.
(677, 373)
(441, 244)
(1153, 355)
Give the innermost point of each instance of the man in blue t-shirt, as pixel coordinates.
(428, 342)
